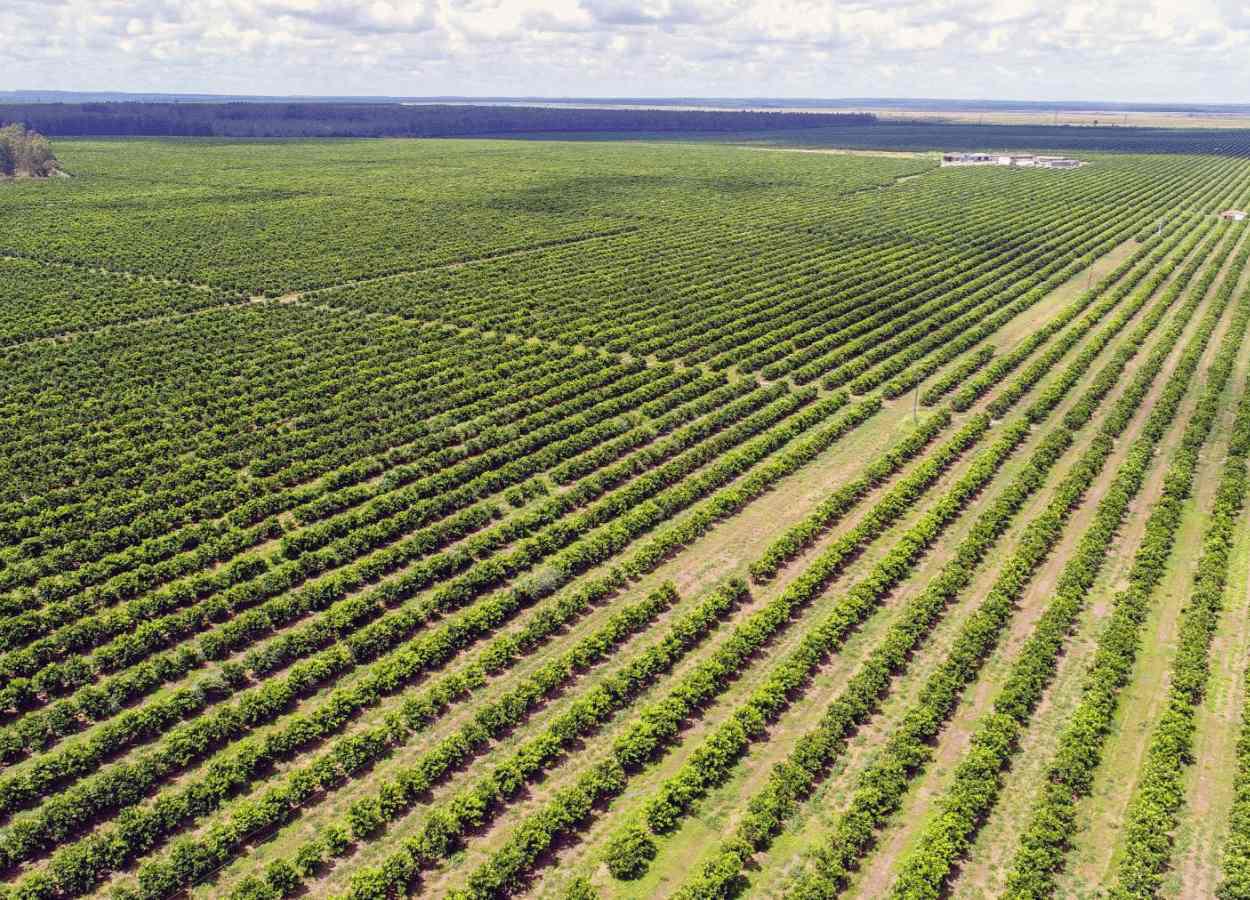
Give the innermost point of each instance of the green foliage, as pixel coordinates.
(712, 761)
(25, 153)
(384, 541)
(975, 361)
(629, 852)
(580, 889)
(792, 779)
(1070, 774)
(253, 888)
(282, 877)
(977, 779)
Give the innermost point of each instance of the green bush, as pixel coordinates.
(629, 852)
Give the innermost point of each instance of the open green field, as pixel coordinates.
(625, 519)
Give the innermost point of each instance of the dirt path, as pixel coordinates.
(1023, 325)
(832, 795)
(877, 874)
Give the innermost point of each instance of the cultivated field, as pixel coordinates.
(478, 518)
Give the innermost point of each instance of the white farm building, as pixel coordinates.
(1018, 160)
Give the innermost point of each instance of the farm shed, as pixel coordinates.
(1015, 160)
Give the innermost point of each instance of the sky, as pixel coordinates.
(1122, 50)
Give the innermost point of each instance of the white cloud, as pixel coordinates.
(1083, 49)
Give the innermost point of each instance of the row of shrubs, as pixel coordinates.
(888, 282)
(802, 356)
(159, 878)
(798, 537)
(922, 872)
(1159, 795)
(434, 650)
(60, 815)
(156, 620)
(248, 626)
(636, 382)
(957, 375)
(660, 723)
(722, 505)
(969, 313)
(471, 807)
(794, 778)
(964, 334)
(1235, 884)
(1135, 340)
(1069, 776)
(711, 763)
(829, 511)
(104, 698)
(959, 339)
(1134, 271)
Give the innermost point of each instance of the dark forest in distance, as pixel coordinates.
(314, 119)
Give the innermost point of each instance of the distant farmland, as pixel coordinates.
(469, 518)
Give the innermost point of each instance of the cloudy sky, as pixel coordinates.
(1134, 50)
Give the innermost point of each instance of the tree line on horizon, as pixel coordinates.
(387, 120)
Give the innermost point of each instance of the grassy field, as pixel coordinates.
(479, 518)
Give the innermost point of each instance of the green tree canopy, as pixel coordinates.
(25, 152)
